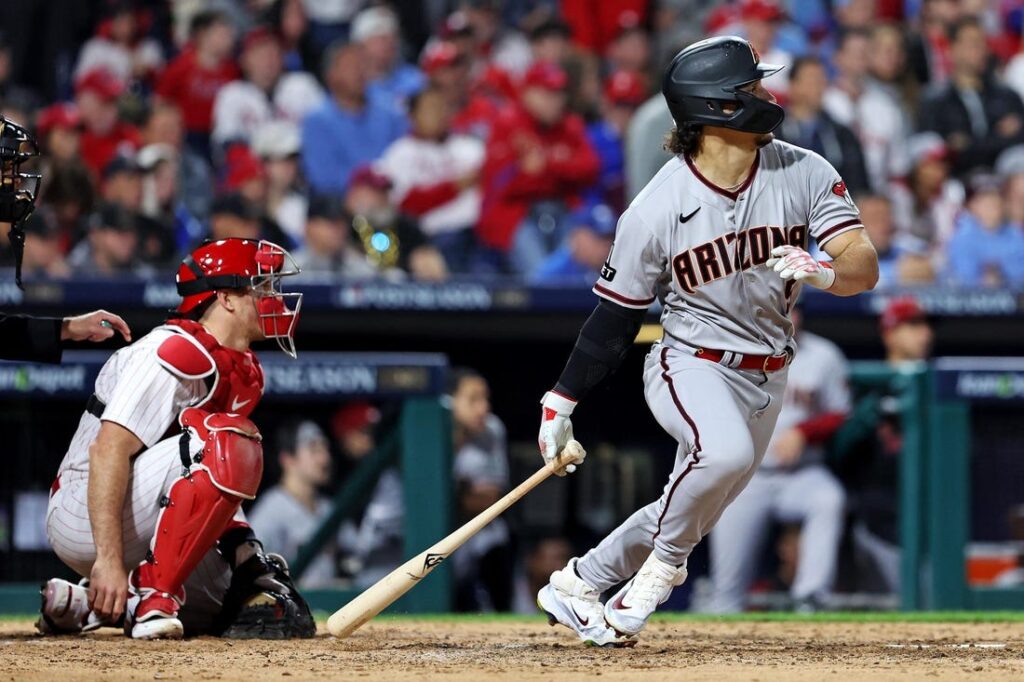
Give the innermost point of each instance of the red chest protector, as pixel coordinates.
(235, 378)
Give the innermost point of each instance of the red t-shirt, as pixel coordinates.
(98, 150)
(193, 88)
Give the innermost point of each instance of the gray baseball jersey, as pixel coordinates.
(701, 250)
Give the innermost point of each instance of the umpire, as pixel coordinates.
(22, 337)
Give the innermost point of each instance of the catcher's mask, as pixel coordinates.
(18, 190)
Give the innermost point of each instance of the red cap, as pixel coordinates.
(761, 10)
(439, 55)
(456, 25)
(354, 417)
(625, 87)
(242, 166)
(901, 310)
(367, 175)
(545, 75)
(57, 116)
(259, 35)
(102, 82)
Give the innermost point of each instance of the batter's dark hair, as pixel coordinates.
(684, 139)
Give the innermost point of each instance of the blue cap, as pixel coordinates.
(598, 217)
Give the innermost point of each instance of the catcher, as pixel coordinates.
(146, 505)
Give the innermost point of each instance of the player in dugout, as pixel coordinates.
(36, 339)
(149, 512)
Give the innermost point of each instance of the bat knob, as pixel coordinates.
(571, 455)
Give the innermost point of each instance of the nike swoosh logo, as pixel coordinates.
(620, 603)
(686, 218)
(235, 405)
(583, 621)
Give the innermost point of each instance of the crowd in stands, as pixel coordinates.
(477, 137)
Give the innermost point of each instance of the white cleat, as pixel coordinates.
(566, 599)
(158, 626)
(65, 608)
(627, 612)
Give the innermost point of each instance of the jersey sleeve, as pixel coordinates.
(148, 399)
(832, 211)
(635, 263)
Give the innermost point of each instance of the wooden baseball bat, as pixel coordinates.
(385, 591)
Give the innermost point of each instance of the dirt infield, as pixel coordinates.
(469, 650)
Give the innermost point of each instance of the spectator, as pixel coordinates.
(168, 227)
(873, 113)
(597, 26)
(193, 79)
(122, 183)
(447, 69)
(59, 128)
(888, 71)
(349, 129)
(579, 260)
(986, 250)
(494, 44)
(44, 253)
(105, 135)
(66, 181)
(246, 175)
(121, 47)
(549, 41)
(761, 20)
(392, 241)
(1010, 168)
(264, 94)
(926, 205)
(869, 464)
(544, 557)
(232, 215)
(71, 195)
(623, 93)
(538, 161)
(390, 79)
(792, 484)
(896, 265)
(111, 246)
(435, 177)
(483, 567)
(287, 515)
(277, 144)
(977, 116)
(808, 125)
(289, 16)
(630, 51)
(929, 50)
(165, 126)
(327, 246)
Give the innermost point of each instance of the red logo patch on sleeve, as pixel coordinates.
(839, 189)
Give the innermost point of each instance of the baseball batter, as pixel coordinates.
(150, 512)
(719, 236)
(793, 485)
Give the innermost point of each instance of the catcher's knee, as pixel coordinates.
(232, 452)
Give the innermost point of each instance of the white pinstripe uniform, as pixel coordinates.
(701, 250)
(145, 396)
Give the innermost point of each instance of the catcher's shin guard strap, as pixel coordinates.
(196, 512)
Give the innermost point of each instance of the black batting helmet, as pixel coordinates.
(709, 74)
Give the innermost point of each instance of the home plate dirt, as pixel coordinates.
(409, 649)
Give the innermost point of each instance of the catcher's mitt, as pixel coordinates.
(262, 602)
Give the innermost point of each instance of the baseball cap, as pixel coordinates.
(236, 205)
(546, 75)
(761, 10)
(982, 181)
(625, 88)
(372, 22)
(42, 222)
(456, 26)
(102, 82)
(900, 311)
(327, 207)
(60, 115)
(242, 166)
(121, 164)
(258, 35)
(439, 55)
(354, 417)
(111, 216)
(926, 147)
(550, 28)
(153, 154)
(598, 217)
(368, 175)
(307, 433)
(277, 140)
(1011, 161)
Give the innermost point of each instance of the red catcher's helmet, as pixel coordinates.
(242, 264)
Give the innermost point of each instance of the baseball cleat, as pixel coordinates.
(627, 612)
(65, 608)
(152, 614)
(566, 599)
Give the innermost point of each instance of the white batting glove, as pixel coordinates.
(792, 262)
(555, 428)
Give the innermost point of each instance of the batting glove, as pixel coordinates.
(792, 262)
(555, 428)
